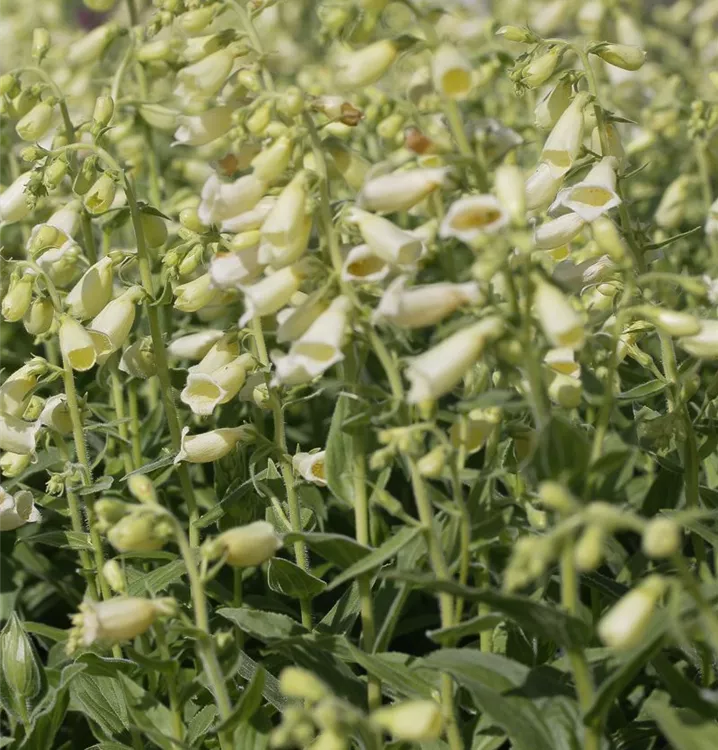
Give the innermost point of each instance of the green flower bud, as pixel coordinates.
(541, 68)
(296, 682)
(621, 55)
(86, 177)
(36, 122)
(39, 317)
(390, 126)
(189, 218)
(625, 624)
(588, 553)
(245, 546)
(20, 666)
(259, 119)
(143, 530)
(556, 497)
(291, 102)
(141, 487)
(661, 538)
(433, 463)
(112, 573)
(99, 197)
(194, 21)
(187, 266)
(154, 229)
(40, 43)
(416, 720)
(9, 85)
(103, 111)
(109, 512)
(517, 34)
(18, 298)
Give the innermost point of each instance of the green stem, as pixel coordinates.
(172, 692)
(87, 237)
(708, 616)
(135, 439)
(118, 403)
(577, 659)
(163, 371)
(246, 21)
(446, 601)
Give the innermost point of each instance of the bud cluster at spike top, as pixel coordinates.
(358, 369)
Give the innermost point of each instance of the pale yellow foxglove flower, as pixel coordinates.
(451, 72)
(15, 203)
(204, 391)
(17, 435)
(625, 624)
(366, 65)
(246, 546)
(198, 130)
(415, 721)
(473, 216)
(400, 191)
(271, 293)
(210, 446)
(92, 292)
(222, 201)
(111, 327)
(17, 510)
(595, 194)
(557, 232)
(194, 345)
(76, 345)
(387, 240)
(704, 344)
(310, 466)
(560, 322)
(564, 141)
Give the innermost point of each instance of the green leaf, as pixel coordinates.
(681, 689)
(99, 486)
(248, 704)
(46, 631)
(160, 463)
(342, 551)
(75, 540)
(140, 583)
(101, 700)
(562, 451)
(492, 681)
(643, 391)
(284, 577)
(339, 453)
(541, 619)
(684, 729)
(265, 626)
(473, 626)
(200, 724)
(378, 557)
(151, 716)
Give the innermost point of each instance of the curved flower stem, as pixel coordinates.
(446, 601)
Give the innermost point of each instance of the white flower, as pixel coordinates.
(194, 345)
(56, 414)
(625, 624)
(318, 348)
(541, 188)
(438, 370)
(471, 217)
(451, 72)
(295, 320)
(560, 322)
(563, 360)
(423, 305)
(17, 435)
(704, 344)
(17, 510)
(386, 240)
(564, 141)
(223, 351)
(361, 264)
(595, 194)
(233, 270)
(249, 220)
(92, 292)
(18, 386)
(557, 232)
(59, 229)
(400, 191)
(76, 345)
(206, 77)
(246, 546)
(310, 466)
(366, 65)
(205, 391)
(111, 327)
(195, 294)
(198, 130)
(415, 720)
(222, 201)
(15, 203)
(270, 163)
(210, 446)
(271, 293)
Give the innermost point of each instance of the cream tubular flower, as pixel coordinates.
(310, 466)
(400, 191)
(424, 305)
(704, 344)
(225, 200)
(246, 546)
(138, 359)
(198, 130)
(90, 46)
(386, 240)
(416, 720)
(564, 141)
(17, 435)
(194, 345)
(451, 72)
(233, 270)
(285, 231)
(367, 65)
(362, 265)
(195, 294)
(203, 391)
(15, 203)
(250, 220)
(319, 347)
(222, 352)
(439, 370)
(56, 414)
(16, 389)
(62, 226)
(541, 188)
(110, 329)
(210, 446)
(553, 104)
(563, 360)
(625, 624)
(596, 194)
(560, 322)
(270, 294)
(92, 292)
(206, 77)
(76, 345)
(293, 322)
(270, 163)
(17, 510)
(472, 433)
(557, 232)
(471, 217)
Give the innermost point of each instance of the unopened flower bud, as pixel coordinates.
(54, 173)
(621, 55)
(112, 573)
(15, 202)
(672, 322)
(661, 538)
(556, 497)
(9, 85)
(519, 34)
(195, 21)
(154, 228)
(142, 488)
(18, 298)
(246, 546)
(295, 682)
(541, 68)
(19, 665)
(90, 47)
(415, 721)
(40, 43)
(432, 464)
(259, 119)
(625, 624)
(13, 464)
(211, 446)
(98, 199)
(39, 317)
(367, 65)
(588, 552)
(109, 511)
(104, 109)
(142, 530)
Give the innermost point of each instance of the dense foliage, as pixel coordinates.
(359, 381)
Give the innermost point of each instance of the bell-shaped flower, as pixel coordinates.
(15, 202)
(17, 387)
(439, 370)
(224, 200)
(595, 194)
(560, 322)
(310, 466)
(451, 72)
(138, 359)
(285, 231)
(362, 265)
(211, 446)
(541, 188)
(194, 345)
(17, 435)
(563, 360)
(33, 125)
(557, 232)
(294, 321)
(271, 293)
(76, 345)
(235, 269)
(472, 432)
(469, 218)
(624, 625)
(204, 391)
(250, 220)
(206, 77)
(553, 104)
(245, 546)
(111, 327)
(56, 414)
(87, 48)
(195, 294)
(92, 292)
(423, 305)
(386, 240)
(400, 191)
(59, 228)
(704, 344)
(17, 510)
(270, 163)
(564, 141)
(198, 130)
(319, 348)
(224, 350)
(366, 65)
